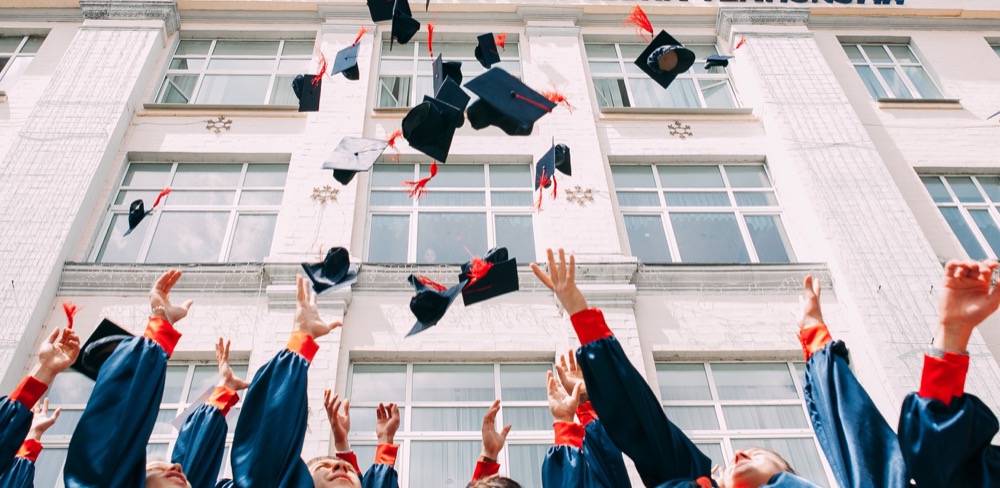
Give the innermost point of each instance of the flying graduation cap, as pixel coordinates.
(404, 26)
(307, 89)
(489, 277)
(137, 211)
(98, 348)
(346, 61)
(446, 69)
(506, 102)
(380, 10)
(430, 126)
(717, 60)
(556, 159)
(664, 59)
(334, 272)
(352, 155)
(486, 52)
(430, 302)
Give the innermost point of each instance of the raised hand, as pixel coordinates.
(227, 377)
(41, 421)
(340, 421)
(57, 352)
(570, 374)
(967, 298)
(493, 441)
(307, 315)
(809, 302)
(387, 423)
(562, 405)
(159, 298)
(562, 280)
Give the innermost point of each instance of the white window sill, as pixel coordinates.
(389, 112)
(192, 107)
(939, 103)
(627, 113)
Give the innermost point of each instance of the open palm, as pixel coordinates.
(967, 297)
(307, 317)
(159, 296)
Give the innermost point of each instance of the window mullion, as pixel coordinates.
(624, 73)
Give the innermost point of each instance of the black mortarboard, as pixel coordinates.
(404, 26)
(665, 58)
(353, 154)
(430, 302)
(499, 279)
(336, 271)
(380, 9)
(515, 105)
(99, 347)
(347, 62)
(453, 95)
(717, 60)
(562, 160)
(137, 211)
(430, 127)
(446, 69)
(486, 51)
(307, 92)
(545, 169)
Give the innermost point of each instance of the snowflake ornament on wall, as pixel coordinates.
(219, 124)
(580, 196)
(680, 130)
(326, 193)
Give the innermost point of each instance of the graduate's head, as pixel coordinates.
(494, 481)
(330, 472)
(753, 467)
(161, 474)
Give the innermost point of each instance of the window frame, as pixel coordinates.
(19, 53)
(993, 208)
(896, 65)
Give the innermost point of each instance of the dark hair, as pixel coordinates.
(498, 482)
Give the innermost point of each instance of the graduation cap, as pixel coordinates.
(455, 96)
(430, 302)
(137, 211)
(353, 154)
(717, 60)
(307, 88)
(486, 51)
(347, 62)
(545, 169)
(489, 277)
(562, 159)
(336, 271)
(99, 347)
(404, 26)
(664, 59)
(444, 70)
(506, 102)
(380, 9)
(430, 127)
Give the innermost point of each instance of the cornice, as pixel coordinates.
(165, 10)
(770, 279)
(728, 17)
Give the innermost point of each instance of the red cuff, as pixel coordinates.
(485, 469)
(386, 454)
(163, 333)
(568, 434)
(590, 326)
(813, 338)
(223, 398)
(352, 458)
(303, 344)
(29, 391)
(30, 449)
(585, 412)
(944, 378)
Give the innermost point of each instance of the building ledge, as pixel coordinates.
(936, 103)
(389, 112)
(637, 113)
(721, 279)
(186, 109)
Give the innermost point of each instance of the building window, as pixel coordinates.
(996, 49)
(232, 72)
(15, 55)
(442, 408)
(726, 407)
(406, 72)
(892, 71)
(618, 82)
(701, 214)
(185, 384)
(218, 212)
(971, 205)
(474, 207)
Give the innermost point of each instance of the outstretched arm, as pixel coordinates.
(382, 474)
(564, 465)
(21, 474)
(487, 466)
(338, 412)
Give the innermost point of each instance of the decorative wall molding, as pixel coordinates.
(765, 279)
(165, 10)
(728, 17)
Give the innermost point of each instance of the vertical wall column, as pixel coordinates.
(882, 265)
(61, 156)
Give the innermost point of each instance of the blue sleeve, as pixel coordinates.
(108, 447)
(630, 412)
(15, 420)
(21, 474)
(602, 457)
(380, 476)
(201, 445)
(563, 468)
(861, 448)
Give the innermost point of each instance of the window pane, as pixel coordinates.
(690, 177)
(526, 463)
(260, 198)
(9, 44)
(247, 48)
(747, 177)
(903, 54)
(269, 175)
(800, 453)
(187, 47)
(697, 199)
(203, 380)
(515, 232)
(717, 93)
(871, 82)
(174, 384)
(681, 93)
(178, 88)
(391, 175)
(126, 197)
(937, 190)
(457, 175)
(295, 66)
(753, 381)
(680, 381)
(713, 451)
(252, 238)
(442, 463)
(600, 50)
(298, 48)
(70, 387)
(214, 198)
(65, 425)
(447, 419)
(988, 227)
(895, 83)
(187, 63)
(188, 237)
(394, 91)
(876, 53)
(378, 383)
(452, 199)
(922, 81)
(854, 53)
(962, 231)
(605, 67)
(991, 185)
(638, 199)
(693, 418)
(756, 199)
(510, 199)
(233, 89)
(207, 175)
(282, 93)
(388, 239)
(997, 49)
(964, 189)
(765, 417)
(119, 249)
(157, 452)
(366, 454)
(253, 65)
(769, 239)
(447, 382)
(611, 92)
(633, 176)
(389, 199)
(709, 238)
(49, 466)
(443, 237)
(647, 239)
(510, 176)
(523, 382)
(527, 418)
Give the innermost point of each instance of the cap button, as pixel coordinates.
(513, 94)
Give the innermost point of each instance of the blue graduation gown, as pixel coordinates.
(382, 473)
(15, 418)
(21, 473)
(597, 463)
(201, 443)
(603, 458)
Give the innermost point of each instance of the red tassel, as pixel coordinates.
(360, 33)
(555, 186)
(322, 69)
(392, 142)
(556, 97)
(743, 40)
(431, 283)
(70, 308)
(543, 181)
(537, 104)
(477, 270)
(641, 22)
(165, 192)
(418, 186)
(502, 40)
(430, 38)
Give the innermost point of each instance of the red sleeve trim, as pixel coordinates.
(223, 398)
(30, 449)
(352, 458)
(590, 326)
(814, 338)
(585, 412)
(485, 469)
(386, 454)
(303, 344)
(944, 378)
(568, 434)
(163, 334)
(29, 391)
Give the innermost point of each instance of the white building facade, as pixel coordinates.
(848, 139)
